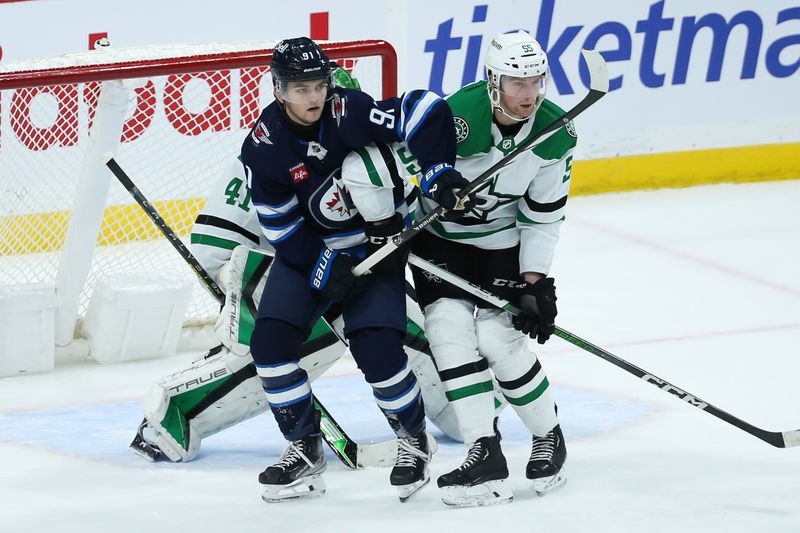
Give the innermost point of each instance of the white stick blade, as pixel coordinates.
(792, 438)
(108, 156)
(598, 71)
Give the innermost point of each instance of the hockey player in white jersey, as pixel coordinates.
(505, 244)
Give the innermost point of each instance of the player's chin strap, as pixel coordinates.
(779, 439)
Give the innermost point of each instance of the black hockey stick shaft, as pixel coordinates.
(598, 88)
(779, 439)
(342, 445)
(165, 229)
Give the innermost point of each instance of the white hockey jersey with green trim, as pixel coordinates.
(524, 202)
(370, 175)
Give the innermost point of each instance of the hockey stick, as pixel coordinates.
(598, 88)
(779, 439)
(349, 452)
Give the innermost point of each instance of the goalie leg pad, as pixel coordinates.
(450, 328)
(177, 406)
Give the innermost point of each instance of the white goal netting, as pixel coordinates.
(184, 114)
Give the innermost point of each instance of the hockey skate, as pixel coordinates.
(545, 466)
(298, 473)
(410, 472)
(142, 447)
(480, 480)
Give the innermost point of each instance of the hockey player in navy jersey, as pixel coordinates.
(291, 156)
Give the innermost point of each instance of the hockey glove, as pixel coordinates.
(333, 277)
(380, 234)
(537, 303)
(442, 183)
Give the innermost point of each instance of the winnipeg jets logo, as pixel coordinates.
(337, 205)
(260, 134)
(330, 206)
(316, 150)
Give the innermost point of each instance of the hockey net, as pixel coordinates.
(185, 112)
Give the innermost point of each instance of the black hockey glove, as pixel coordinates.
(537, 303)
(442, 183)
(380, 234)
(332, 275)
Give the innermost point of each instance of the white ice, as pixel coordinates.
(699, 286)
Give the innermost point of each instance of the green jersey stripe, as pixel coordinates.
(531, 396)
(469, 390)
(210, 240)
(374, 177)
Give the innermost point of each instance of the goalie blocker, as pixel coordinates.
(221, 388)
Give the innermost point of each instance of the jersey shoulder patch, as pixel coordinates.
(562, 141)
(472, 114)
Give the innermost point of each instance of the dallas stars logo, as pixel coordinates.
(431, 277)
(462, 129)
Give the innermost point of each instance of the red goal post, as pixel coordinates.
(174, 116)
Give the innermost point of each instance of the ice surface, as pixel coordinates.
(699, 286)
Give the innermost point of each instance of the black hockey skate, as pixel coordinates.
(545, 466)
(479, 481)
(410, 472)
(298, 473)
(144, 449)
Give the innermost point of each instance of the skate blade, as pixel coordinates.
(145, 450)
(483, 495)
(545, 485)
(404, 492)
(309, 487)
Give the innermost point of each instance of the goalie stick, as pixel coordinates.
(779, 439)
(598, 87)
(352, 454)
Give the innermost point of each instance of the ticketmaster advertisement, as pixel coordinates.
(685, 75)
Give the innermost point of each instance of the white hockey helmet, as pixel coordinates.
(515, 54)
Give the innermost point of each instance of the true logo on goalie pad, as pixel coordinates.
(196, 382)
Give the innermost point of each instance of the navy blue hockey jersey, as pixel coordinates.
(292, 181)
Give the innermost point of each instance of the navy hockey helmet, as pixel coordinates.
(299, 59)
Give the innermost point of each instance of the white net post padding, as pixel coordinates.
(174, 116)
(88, 206)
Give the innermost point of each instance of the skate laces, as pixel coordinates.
(543, 447)
(294, 452)
(474, 454)
(408, 450)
